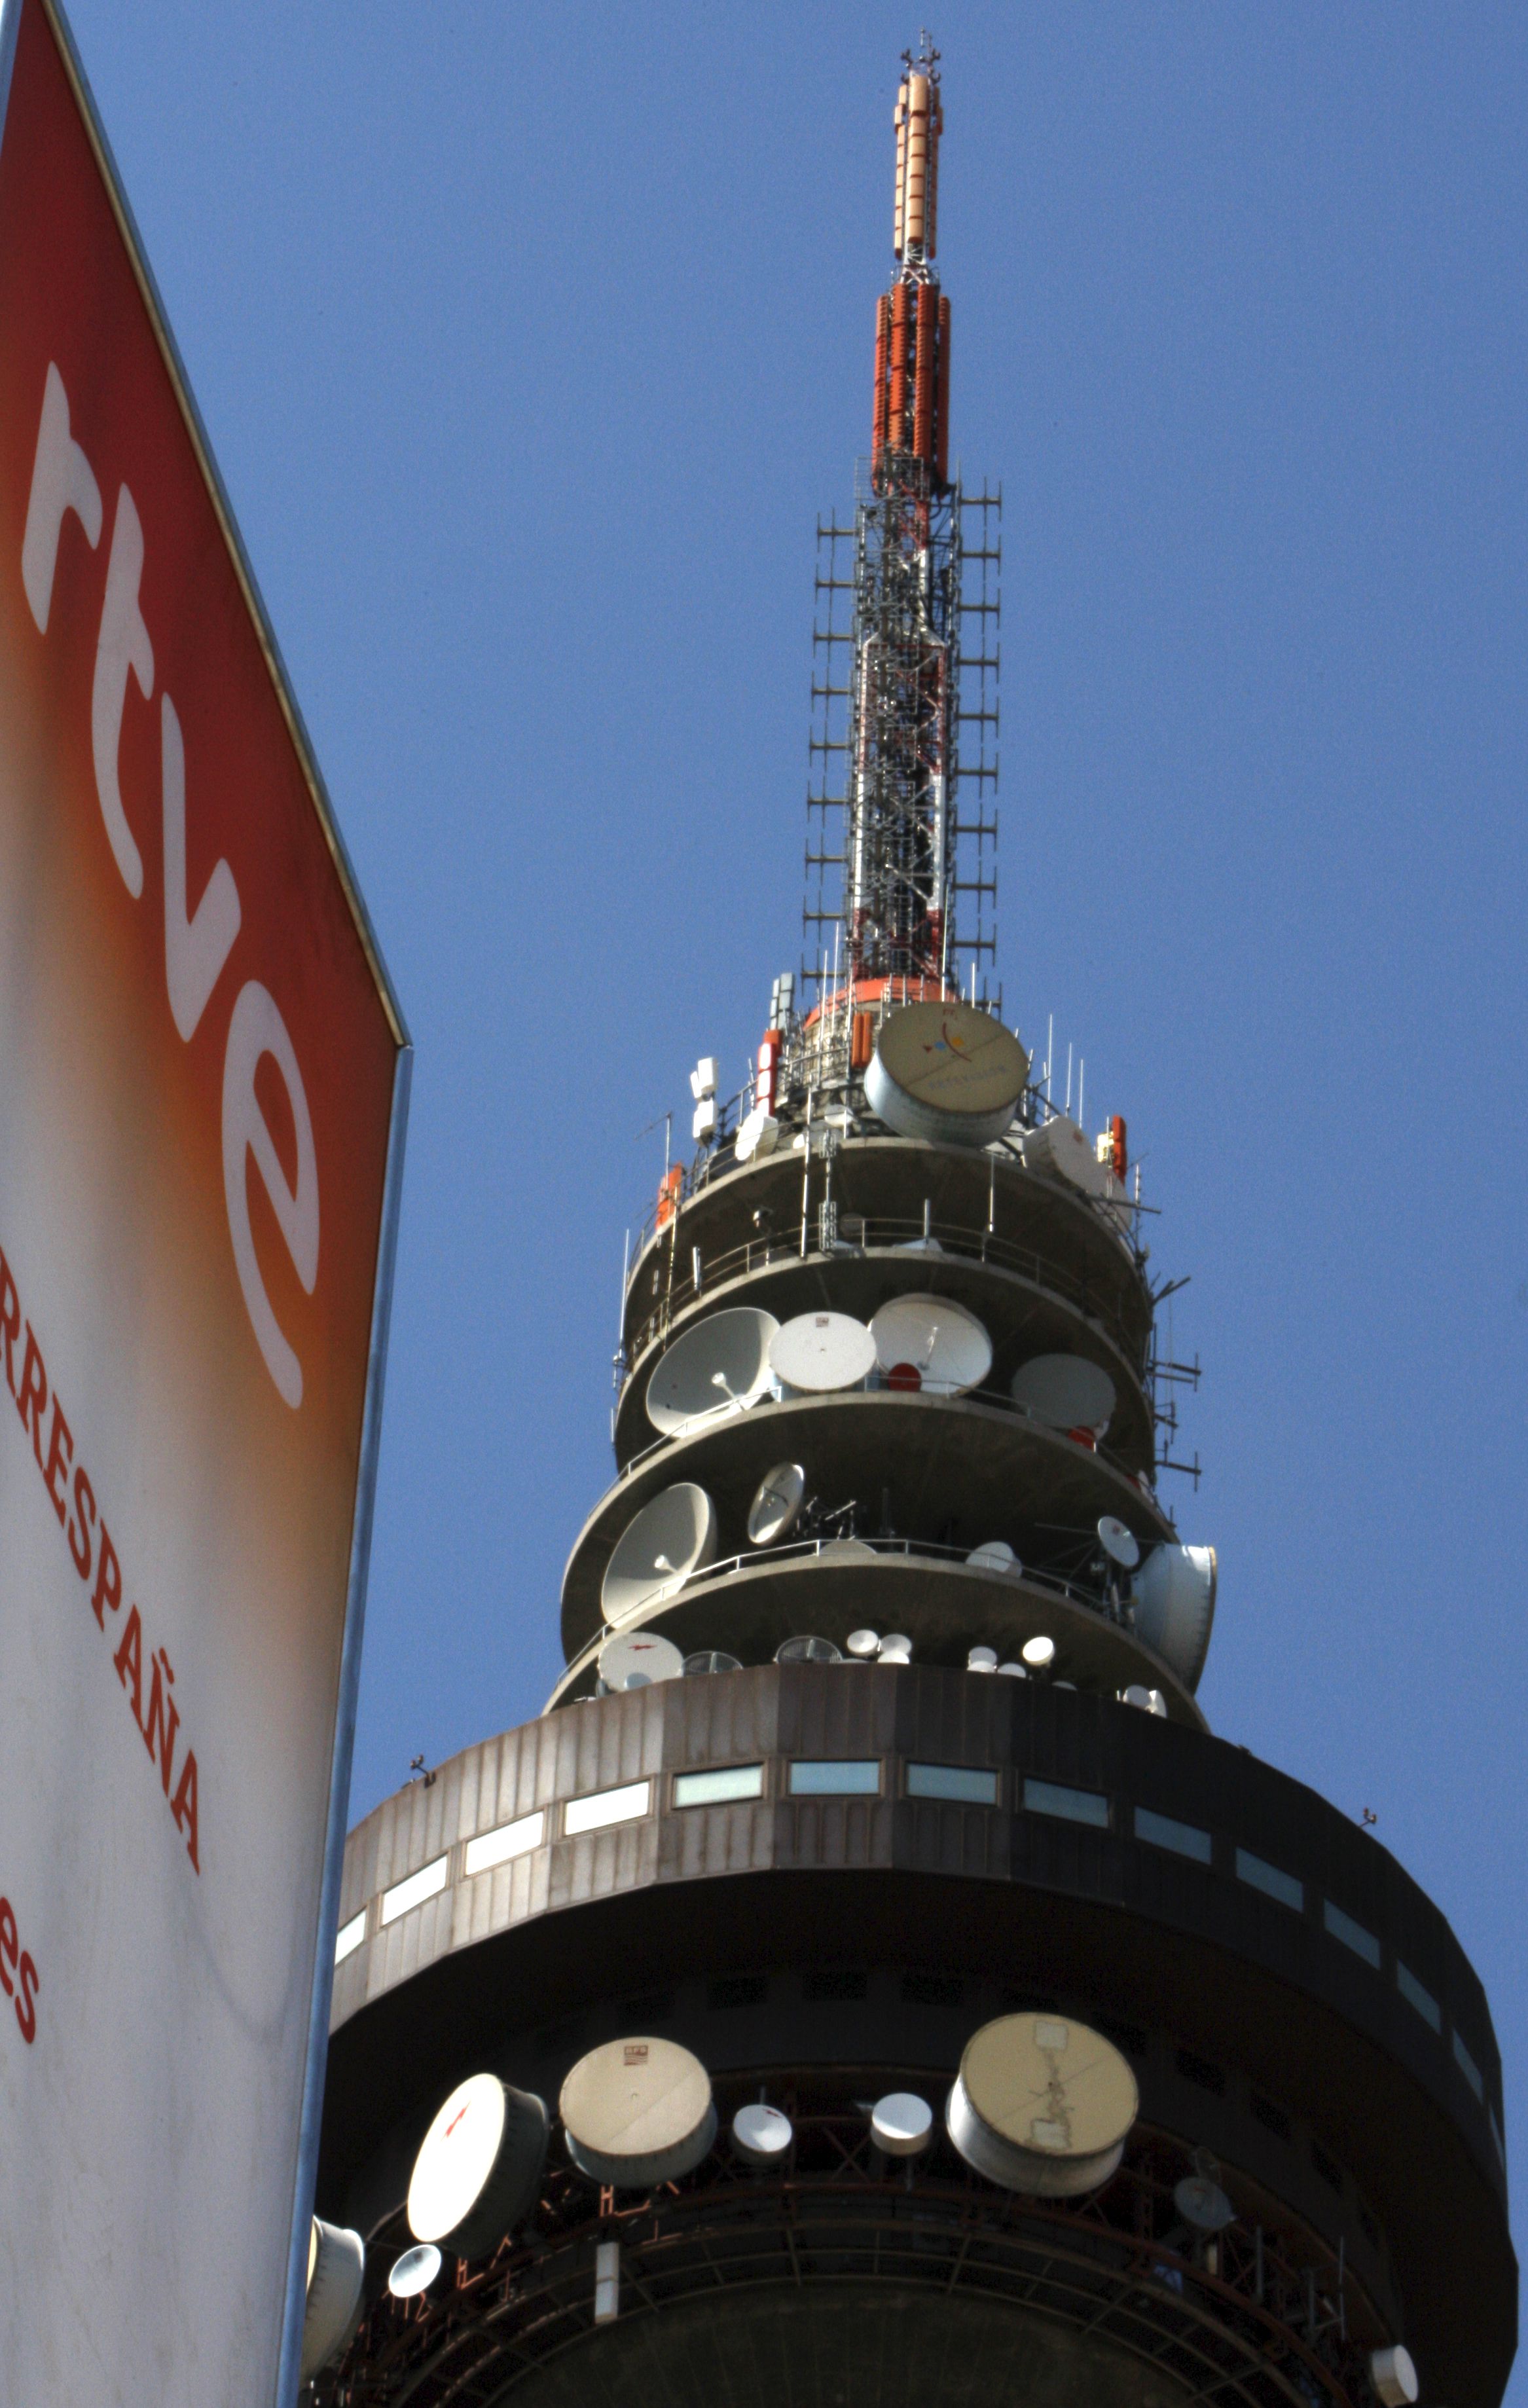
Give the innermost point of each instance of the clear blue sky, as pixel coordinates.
(532, 343)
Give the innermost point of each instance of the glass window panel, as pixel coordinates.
(624, 1805)
(426, 1882)
(1415, 1995)
(1269, 1880)
(493, 1848)
(967, 1783)
(837, 1777)
(350, 1936)
(1072, 1805)
(1352, 1935)
(715, 1788)
(1468, 2068)
(1184, 1839)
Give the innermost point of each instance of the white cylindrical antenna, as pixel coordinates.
(1049, 1051)
(1069, 1079)
(1081, 1073)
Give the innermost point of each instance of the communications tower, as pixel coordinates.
(869, 1981)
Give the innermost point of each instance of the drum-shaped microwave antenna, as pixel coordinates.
(658, 1550)
(638, 2111)
(1060, 1149)
(762, 2135)
(805, 1650)
(718, 1366)
(947, 1073)
(1119, 1541)
(712, 1660)
(994, 1555)
(820, 1352)
(1174, 1607)
(1042, 2105)
(946, 1345)
(477, 2173)
(414, 2271)
(1203, 2203)
(902, 2124)
(777, 1503)
(1066, 1392)
(337, 2273)
(634, 1659)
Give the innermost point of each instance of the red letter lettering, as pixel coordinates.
(10, 1320)
(59, 1457)
(129, 1659)
(184, 1809)
(9, 1944)
(108, 1579)
(79, 1539)
(157, 1725)
(33, 1393)
(26, 2014)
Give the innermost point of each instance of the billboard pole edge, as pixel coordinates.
(180, 385)
(339, 1776)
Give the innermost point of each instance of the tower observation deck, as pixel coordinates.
(869, 1980)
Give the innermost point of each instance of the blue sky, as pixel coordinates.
(533, 343)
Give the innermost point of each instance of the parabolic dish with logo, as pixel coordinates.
(638, 2111)
(1042, 2105)
(947, 1073)
(937, 1339)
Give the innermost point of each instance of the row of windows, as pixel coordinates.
(864, 1777)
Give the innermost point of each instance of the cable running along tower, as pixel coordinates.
(869, 1980)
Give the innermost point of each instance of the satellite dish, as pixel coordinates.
(864, 1646)
(1042, 2105)
(895, 1649)
(1066, 1392)
(414, 2271)
(902, 2124)
(719, 1366)
(759, 1134)
(479, 2170)
(638, 2111)
(1174, 1607)
(836, 1549)
(807, 1651)
(1015, 1671)
(1393, 2377)
(994, 1556)
(658, 1550)
(947, 1073)
(712, 1660)
(777, 1503)
(1119, 1543)
(1203, 2203)
(1061, 1150)
(1038, 1652)
(762, 2135)
(946, 1345)
(981, 1659)
(337, 2273)
(633, 1659)
(819, 1353)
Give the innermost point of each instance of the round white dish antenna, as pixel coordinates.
(337, 2273)
(946, 1345)
(719, 1366)
(1393, 2377)
(1038, 1654)
(1066, 1392)
(1119, 1543)
(479, 2167)
(819, 1353)
(1015, 1671)
(837, 1550)
(895, 1648)
(994, 1555)
(981, 1659)
(634, 1659)
(638, 2111)
(777, 1503)
(807, 1651)
(712, 1660)
(1174, 1607)
(762, 2135)
(864, 1646)
(1203, 2203)
(902, 2124)
(1061, 1150)
(658, 1550)
(414, 2271)
(1042, 2105)
(947, 1073)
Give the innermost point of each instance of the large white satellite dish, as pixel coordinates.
(634, 1659)
(762, 2135)
(946, 1345)
(1174, 1607)
(1066, 1392)
(658, 1550)
(1042, 2105)
(777, 1503)
(337, 2273)
(718, 1366)
(994, 1556)
(805, 1650)
(1119, 1543)
(638, 2111)
(479, 2167)
(947, 1073)
(820, 1352)
(902, 2124)
(1061, 1150)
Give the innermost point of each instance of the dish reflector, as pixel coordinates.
(819, 1353)
(1119, 1543)
(1061, 1148)
(895, 1649)
(864, 1646)
(1066, 1392)
(777, 1503)
(1042, 2105)
(1393, 2377)
(947, 1073)
(1038, 1652)
(479, 2167)
(658, 1550)
(1203, 2203)
(946, 1345)
(807, 1651)
(902, 2124)
(1174, 1607)
(336, 2271)
(719, 1366)
(712, 1660)
(634, 1659)
(994, 1556)
(638, 2111)
(981, 1659)
(414, 2271)
(762, 2135)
